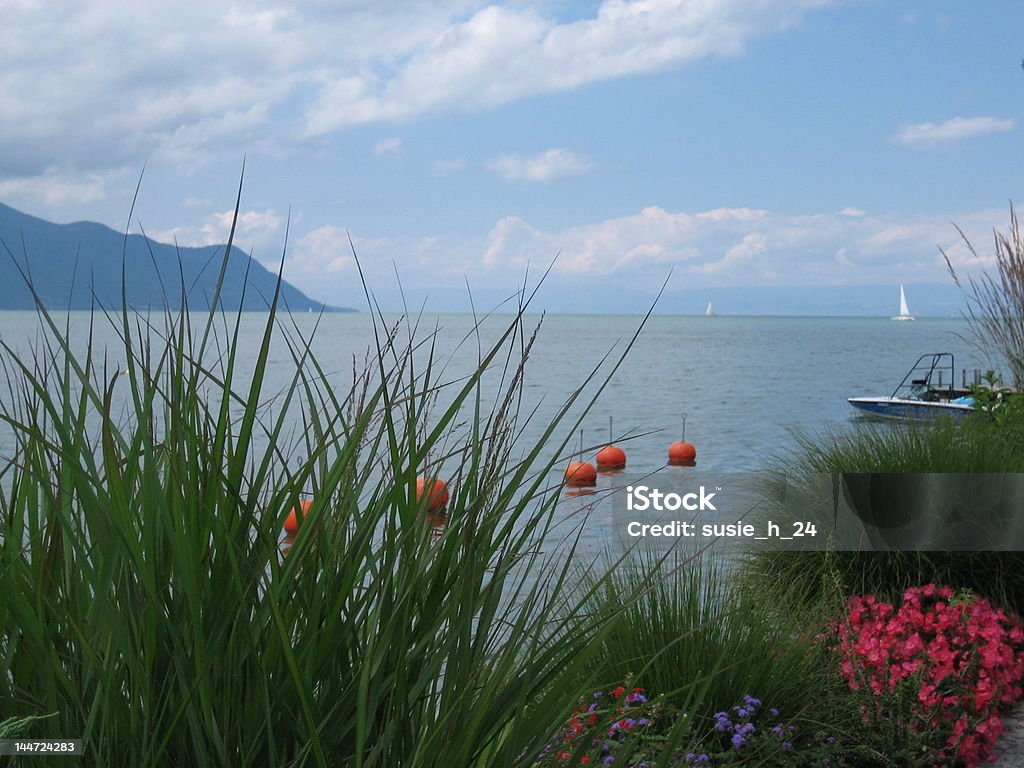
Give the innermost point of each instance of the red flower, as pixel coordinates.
(964, 657)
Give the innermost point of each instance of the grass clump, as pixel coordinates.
(968, 446)
(995, 300)
(144, 598)
(682, 627)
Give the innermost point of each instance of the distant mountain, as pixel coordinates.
(75, 266)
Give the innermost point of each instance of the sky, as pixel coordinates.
(721, 142)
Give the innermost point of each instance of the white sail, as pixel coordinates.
(710, 312)
(904, 309)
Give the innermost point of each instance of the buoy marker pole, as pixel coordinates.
(611, 457)
(682, 453)
(580, 473)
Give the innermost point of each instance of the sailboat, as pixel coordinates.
(710, 311)
(904, 309)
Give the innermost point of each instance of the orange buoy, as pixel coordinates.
(682, 454)
(610, 457)
(435, 490)
(291, 523)
(580, 473)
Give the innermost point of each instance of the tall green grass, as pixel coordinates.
(144, 600)
(971, 446)
(682, 628)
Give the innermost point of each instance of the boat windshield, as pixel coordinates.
(931, 378)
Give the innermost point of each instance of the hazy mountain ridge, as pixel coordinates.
(77, 266)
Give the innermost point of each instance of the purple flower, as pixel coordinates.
(722, 721)
(643, 721)
(830, 740)
(608, 760)
(777, 730)
(738, 740)
(751, 702)
(774, 712)
(787, 746)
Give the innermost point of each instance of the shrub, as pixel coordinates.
(937, 669)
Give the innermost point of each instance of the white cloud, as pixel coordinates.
(723, 246)
(500, 54)
(325, 249)
(387, 146)
(743, 246)
(549, 165)
(54, 188)
(254, 229)
(189, 81)
(955, 129)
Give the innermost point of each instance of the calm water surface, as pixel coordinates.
(747, 384)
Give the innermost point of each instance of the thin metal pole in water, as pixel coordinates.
(611, 434)
(684, 428)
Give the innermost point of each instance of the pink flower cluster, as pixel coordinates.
(961, 658)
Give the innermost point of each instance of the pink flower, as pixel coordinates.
(964, 659)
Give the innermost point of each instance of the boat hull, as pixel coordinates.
(913, 410)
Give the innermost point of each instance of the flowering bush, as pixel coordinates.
(618, 728)
(940, 665)
(611, 729)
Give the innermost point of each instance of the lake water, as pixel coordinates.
(746, 383)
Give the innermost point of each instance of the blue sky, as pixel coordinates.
(733, 142)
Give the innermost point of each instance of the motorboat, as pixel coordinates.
(928, 390)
